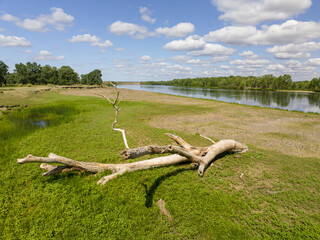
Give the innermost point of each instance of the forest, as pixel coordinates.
(266, 82)
(35, 74)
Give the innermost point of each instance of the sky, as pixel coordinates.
(149, 40)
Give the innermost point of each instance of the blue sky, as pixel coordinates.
(145, 40)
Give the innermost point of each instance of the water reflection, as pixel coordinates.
(41, 123)
(305, 102)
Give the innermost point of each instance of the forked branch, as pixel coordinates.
(115, 102)
(180, 155)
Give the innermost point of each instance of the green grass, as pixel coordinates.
(277, 198)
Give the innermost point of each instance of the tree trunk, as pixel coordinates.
(201, 156)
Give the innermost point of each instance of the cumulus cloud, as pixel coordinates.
(249, 12)
(213, 50)
(253, 63)
(291, 31)
(313, 62)
(47, 56)
(189, 44)
(13, 41)
(188, 60)
(276, 67)
(291, 51)
(58, 19)
(219, 59)
(145, 58)
(84, 38)
(146, 15)
(9, 18)
(124, 28)
(92, 39)
(179, 30)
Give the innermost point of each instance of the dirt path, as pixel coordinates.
(290, 133)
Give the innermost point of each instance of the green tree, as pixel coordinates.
(28, 73)
(84, 79)
(67, 76)
(48, 75)
(3, 72)
(315, 84)
(11, 78)
(21, 73)
(33, 72)
(92, 78)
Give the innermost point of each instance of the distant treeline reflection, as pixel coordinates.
(263, 98)
(266, 82)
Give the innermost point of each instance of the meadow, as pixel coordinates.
(277, 196)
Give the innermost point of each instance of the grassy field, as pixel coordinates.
(276, 198)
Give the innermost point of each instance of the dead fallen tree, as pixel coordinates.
(202, 157)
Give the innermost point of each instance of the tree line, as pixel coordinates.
(266, 82)
(35, 74)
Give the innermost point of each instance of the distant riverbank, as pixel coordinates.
(303, 101)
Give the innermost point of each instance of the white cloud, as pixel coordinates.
(92, 39)
(84, 38)
(13, 41)
(2, 29)
(180, 58)
(179, 30)
(188, 60)
(106, 43)
(296, 55)
(58, 19)
(146, 15)
(219, 59)
(119, 49)
(213, 50)
(124, 28)
(28, 51)
(145, 58)
(226, 67)
(291, 31)
(250, 12)
(253, 63)
(9, 18)
(47, 56)
(276, 67)
(291, 51)
(178, 67)
(313, 62)
(189, 44)
(32, 25)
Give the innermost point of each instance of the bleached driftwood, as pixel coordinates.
(202, 156)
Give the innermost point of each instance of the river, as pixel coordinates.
(292, 101)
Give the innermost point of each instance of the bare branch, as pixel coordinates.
(241, 177)
(183, 155)
(115, 104)
(207, 138)
(179, 141)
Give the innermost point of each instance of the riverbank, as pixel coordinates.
(269, 192)
(217, 88)
(292, 133)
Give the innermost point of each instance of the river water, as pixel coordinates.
(292, 101)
